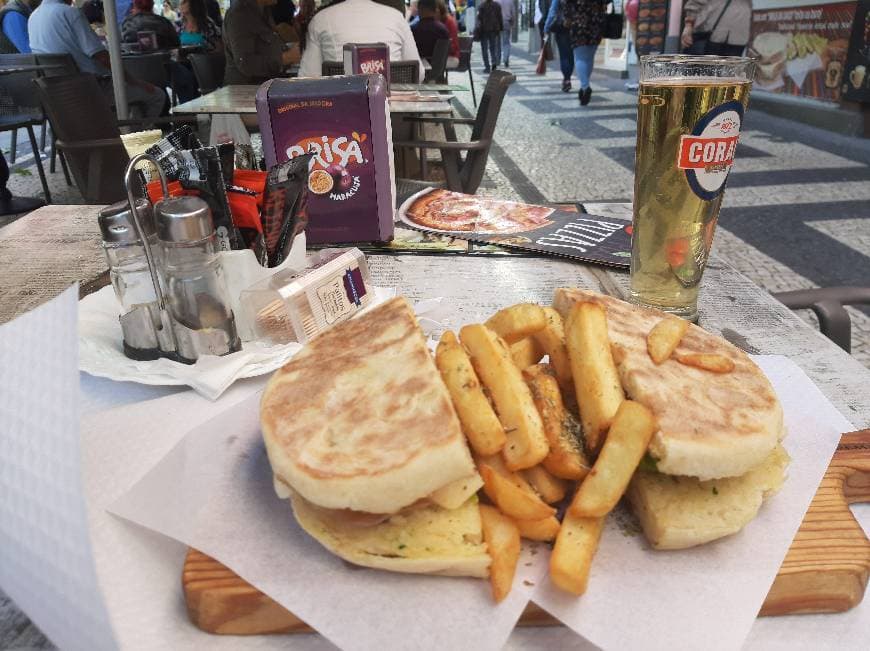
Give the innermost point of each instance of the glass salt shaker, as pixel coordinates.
(131, 278)
(196, 291)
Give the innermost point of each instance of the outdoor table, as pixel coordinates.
(240, 100)
(55, 246)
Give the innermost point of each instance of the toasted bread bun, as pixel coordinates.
(680, 512)
(711, 425)
(360, 418)
(426, 540)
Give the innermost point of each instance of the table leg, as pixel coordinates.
(10, 205)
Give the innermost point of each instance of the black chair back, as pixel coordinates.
(484, 127)
(332, 68)
(404, 72)
(465, 45)
(148, 67)
(80, 113)
(438, 62)
(209, 70)
(65, 63)
(18, 95)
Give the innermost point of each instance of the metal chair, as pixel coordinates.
(465, 175)
(20, 108)
(827, 304)
(465, 45)
(404, 72)
(331, 68)
(208, 70)
(438, 62)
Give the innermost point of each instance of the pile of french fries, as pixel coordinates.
(521, 420)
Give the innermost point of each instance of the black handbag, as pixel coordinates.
(613, 25)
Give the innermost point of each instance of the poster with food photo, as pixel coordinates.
(802, 50)
(856, 76)
(652, 19)
(561, 232)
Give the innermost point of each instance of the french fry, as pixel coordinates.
(707, 361)
(517, 321)
(503, 545)
(526, 352)
(550, 488)
(565, 458)
(526, 444)
(664, 338)
(544, 530)
(482, 427)
(596, 380)
(626, 443)
(572, 555)
(515, 499)
(552, 340)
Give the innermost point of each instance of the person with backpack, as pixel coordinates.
(487, 30)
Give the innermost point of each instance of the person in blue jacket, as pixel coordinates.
(14, 37)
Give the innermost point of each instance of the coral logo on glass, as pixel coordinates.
(708, 152)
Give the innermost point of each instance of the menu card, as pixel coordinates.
(525, 227)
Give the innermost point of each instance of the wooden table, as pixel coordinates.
(240, 100)
(58, 245)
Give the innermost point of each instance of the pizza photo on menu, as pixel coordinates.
(451, 212)
(560, 231)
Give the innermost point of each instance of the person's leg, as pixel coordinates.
(152, 101)
(566, 58)
(496, 50)
(184, 81)
(484, 48)
(506, 47)
(584, 57)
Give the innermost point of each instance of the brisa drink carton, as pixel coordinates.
(345, 123)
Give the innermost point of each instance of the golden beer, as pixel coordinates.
(687, 130)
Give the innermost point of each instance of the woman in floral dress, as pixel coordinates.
(584, 20)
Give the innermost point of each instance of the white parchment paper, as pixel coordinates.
(214, 492)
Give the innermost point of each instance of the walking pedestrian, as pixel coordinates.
(719, 27)
(488, 30)
(555, 24)
(507, 17)
(584, 20)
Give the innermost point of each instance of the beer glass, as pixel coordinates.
(689, 113)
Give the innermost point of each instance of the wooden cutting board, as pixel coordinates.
(825, 571)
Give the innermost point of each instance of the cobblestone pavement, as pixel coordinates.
(796, 211)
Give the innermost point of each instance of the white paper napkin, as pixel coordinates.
(101, 352)
(214, 492)
(798, 69)
(46, 559)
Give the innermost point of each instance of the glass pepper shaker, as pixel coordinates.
(131, 278)
(196, 291)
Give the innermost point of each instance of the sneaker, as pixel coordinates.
(584, 95)
(494, 68)
(486, 70)
(506, 64)
(566, 85)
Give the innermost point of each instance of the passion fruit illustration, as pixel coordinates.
(320, 182)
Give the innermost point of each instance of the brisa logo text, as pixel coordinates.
(328, 151)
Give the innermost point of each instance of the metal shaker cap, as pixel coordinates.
(116, 222)
(183, 219)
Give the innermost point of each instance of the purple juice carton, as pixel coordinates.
(367, 59)
(345, 121)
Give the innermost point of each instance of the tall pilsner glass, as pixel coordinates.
(689, 113)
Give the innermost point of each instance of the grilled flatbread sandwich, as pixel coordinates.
(716, 455)
(363, 438)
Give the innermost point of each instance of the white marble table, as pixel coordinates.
(473, 287)
(239, 100)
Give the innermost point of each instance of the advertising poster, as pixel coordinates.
(856, 76)
(652, 26)
(802, 50)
